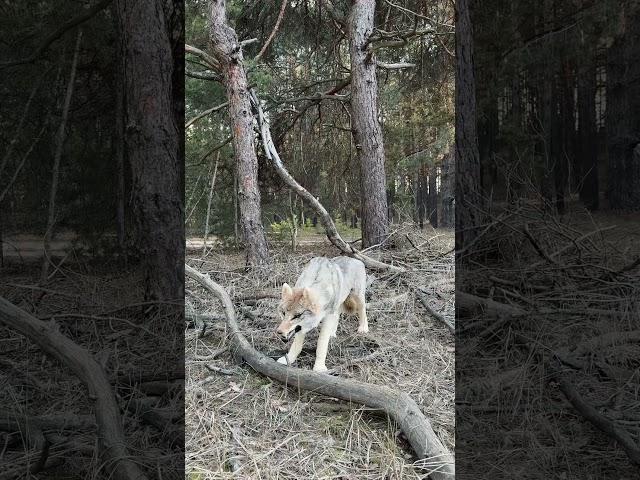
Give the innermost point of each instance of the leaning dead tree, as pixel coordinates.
(330, 227)
(111, 440)
(397, 405)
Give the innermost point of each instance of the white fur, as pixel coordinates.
(330, 282)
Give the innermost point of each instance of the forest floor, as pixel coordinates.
(242, 425)
(576, 281)
(99, 306)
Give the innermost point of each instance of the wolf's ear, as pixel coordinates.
(308, 295)
(287, 292)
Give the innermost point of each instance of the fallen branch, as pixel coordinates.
(397, 405)
(607, 426)
(313, 202)
(423, 299)
(466, 301)
(111, 439)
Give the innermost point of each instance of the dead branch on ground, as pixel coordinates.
(111, 439)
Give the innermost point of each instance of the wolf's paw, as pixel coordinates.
(320, 368)
(363, 329)
(283, 360)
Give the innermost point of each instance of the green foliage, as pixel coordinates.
(307, 56)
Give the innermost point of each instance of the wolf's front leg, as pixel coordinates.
(294, 351)
(329, 326)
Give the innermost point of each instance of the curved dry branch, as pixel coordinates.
(111, 439)
(397, 405)
(205, 113)
(313, 202)
(590, 413)
(283, 6)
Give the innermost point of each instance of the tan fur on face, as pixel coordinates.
(296, 300)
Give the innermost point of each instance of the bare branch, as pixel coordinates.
(55, 35)
(283, 6)
(204, 114)
(325, 218)
(202, 75)
(394, 66)
(202, 55)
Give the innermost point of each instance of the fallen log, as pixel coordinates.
(326, 220)
(111, 440)
(397, 405)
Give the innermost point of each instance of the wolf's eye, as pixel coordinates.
(298, 315)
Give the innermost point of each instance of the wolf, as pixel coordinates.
(325, 288)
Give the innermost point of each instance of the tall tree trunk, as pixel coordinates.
(367, 132)
(228, 53)
(547, 147)
(588, 187)
(432, 199)
(60, 138)
(206, 220)
(468, 197)
(623, 110)
(568, 127)
(153, 142)
(421, 196)
(447, 191)
(119, 148)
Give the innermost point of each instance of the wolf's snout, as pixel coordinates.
(282, 334)
(298, 328)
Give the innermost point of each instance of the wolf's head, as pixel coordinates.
(299, 311)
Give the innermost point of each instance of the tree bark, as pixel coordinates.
(366, 129)
(60, 138)
(153, 141)
(432, 198)
(118, 143)
(206, 221)
(588, 187)
(468, 197)
(447, 190)
(228, 52)
(623, 111)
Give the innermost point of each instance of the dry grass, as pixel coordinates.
(513, 421)
(86, 303)
(240, 424)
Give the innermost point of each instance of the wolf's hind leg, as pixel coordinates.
(363, 324)
(294, 351)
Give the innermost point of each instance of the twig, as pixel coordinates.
(423, 299)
